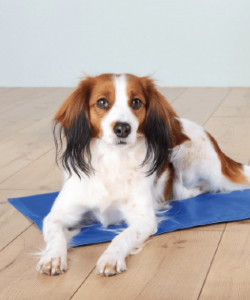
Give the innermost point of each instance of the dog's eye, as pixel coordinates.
(102, 103)
(136, 103)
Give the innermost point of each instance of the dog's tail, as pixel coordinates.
(236, 174)
(246, 174)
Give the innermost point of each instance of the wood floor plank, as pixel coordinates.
(213, 227)
(20, 96)
(20, 150)
(31, 112)
(12, 222)
(171, 94)
(236, 104)
(171, 266)
(42, 126)
(4, 90)
(228, 278)
(198, 104)
(19, 280)
(232, 135)
(42, 174)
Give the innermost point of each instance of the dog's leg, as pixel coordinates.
(180, 192)
(65, 214)
(140, 216)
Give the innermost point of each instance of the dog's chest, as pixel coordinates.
(119, 171)
(118, 175)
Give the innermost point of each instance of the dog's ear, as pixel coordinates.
(71, 123)
(158, 128)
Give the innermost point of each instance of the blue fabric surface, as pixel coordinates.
(201, 210)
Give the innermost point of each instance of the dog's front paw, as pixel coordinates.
(110, 264)
(52, 263)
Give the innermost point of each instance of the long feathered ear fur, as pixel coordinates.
(71, 123)
(159, 125)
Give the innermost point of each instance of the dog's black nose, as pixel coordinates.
(122, 130)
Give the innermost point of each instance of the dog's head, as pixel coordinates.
(118, 110)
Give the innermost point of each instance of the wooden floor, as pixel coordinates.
(211, 262)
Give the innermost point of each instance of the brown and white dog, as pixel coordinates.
(126, 153)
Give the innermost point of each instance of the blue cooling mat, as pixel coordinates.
(201, 210)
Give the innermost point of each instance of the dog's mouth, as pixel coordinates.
(121, 143)
(117, 143)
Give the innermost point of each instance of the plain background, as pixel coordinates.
(180, 43)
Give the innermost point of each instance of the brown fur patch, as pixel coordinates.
(135, 90)
(103, 88)
(84, 98)
(75, 103)
(112, 125)
(169, 183)
(57, 268)
(231, 169)
(157, 101)
(47, 268)
(110, 269)
(178, 136)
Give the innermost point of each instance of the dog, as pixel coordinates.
(126, 153)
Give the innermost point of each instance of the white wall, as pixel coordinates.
(179, 42)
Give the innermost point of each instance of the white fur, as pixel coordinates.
(119, 191)
(197, 165)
